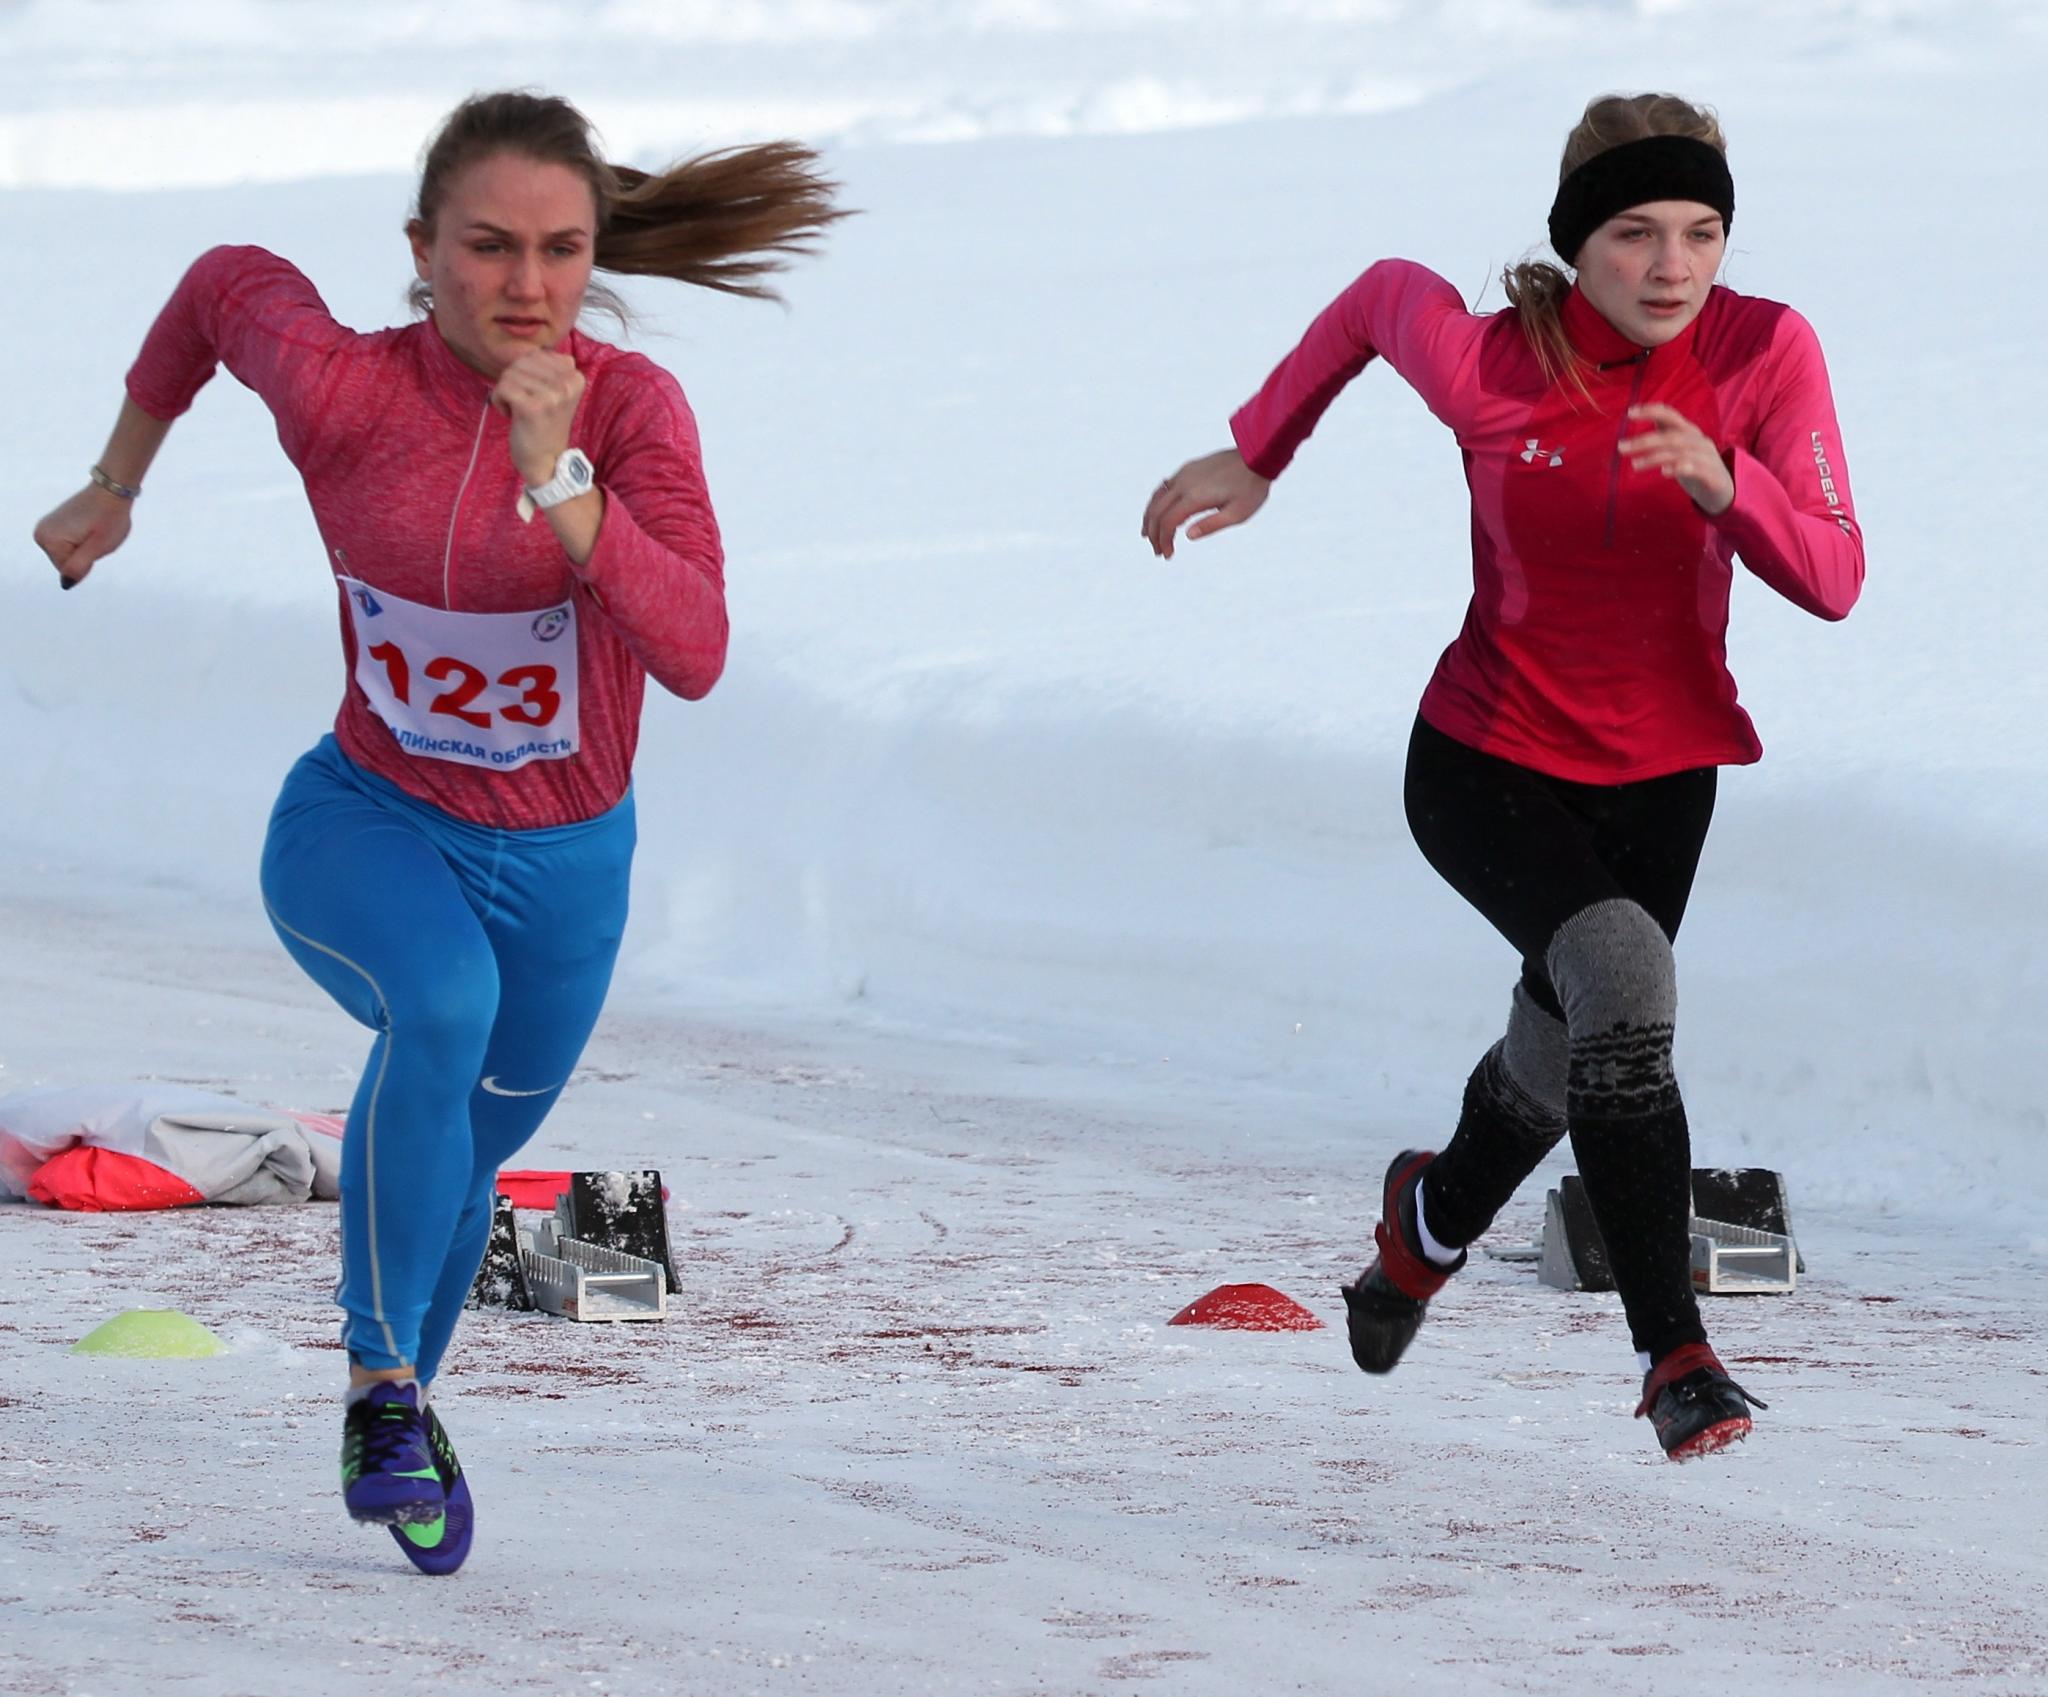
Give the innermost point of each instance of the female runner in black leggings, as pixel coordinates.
(1626, 433)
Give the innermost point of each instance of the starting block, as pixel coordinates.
(1573, 1254)
(602, 1255)
(1741, 1230)
(588, 1281)
(1732, 1260)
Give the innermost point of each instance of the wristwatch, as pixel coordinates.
(574, 475)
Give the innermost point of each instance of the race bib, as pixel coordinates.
(482, 689)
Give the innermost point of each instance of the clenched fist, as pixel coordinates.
(538, 391)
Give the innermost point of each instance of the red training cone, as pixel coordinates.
(1247, 1308)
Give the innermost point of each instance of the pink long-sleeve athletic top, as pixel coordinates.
(1595, 645)
(412, 486)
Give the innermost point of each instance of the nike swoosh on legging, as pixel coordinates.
(496, 1089)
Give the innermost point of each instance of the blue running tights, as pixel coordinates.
(480, 958)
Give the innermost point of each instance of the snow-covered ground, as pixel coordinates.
(1027, 936)
(918, 1424)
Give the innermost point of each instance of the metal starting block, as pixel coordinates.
(1732, 1260)
(587, 1281)
(590, 1260)
(1573, 1254)
(1744, 1248)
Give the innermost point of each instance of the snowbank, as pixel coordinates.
(979, 759)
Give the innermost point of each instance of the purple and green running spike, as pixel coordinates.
(442, 1544)
(388, 1474)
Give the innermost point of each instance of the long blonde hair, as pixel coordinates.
(725, 220)
(1536, 289)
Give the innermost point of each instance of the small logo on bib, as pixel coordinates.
(551, 624)
(369, 603)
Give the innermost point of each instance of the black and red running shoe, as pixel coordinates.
(1695, 1407)
(1386, 1305)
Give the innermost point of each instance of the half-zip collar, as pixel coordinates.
(460, 383)
(1640, 364)
(1608, 349)
(465, 393)
(1614, 355)
(455, 512)
(453, 387)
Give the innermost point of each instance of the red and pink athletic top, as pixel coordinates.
(412, 486)
(1595, 645)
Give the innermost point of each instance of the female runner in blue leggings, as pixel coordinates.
(451, 864)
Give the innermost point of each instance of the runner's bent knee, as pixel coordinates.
(446, 1012)
(1618, 984)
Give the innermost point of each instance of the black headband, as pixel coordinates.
(1655, 168)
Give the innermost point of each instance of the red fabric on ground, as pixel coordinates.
(538, 1189)
(533, 1189)
(100, 1181)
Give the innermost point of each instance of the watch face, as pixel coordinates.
(578, 471)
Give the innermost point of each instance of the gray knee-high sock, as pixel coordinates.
(1513, 1116)
(1612, 966)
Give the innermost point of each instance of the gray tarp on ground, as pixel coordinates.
(226, 1150)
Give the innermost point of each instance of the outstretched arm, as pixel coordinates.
(241, 307)
(94, 522)
(1396, 310)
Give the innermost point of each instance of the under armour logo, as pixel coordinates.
(1536, 451)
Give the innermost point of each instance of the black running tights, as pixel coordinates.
(1588, 882)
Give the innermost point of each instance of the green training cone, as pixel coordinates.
(157, 1332)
